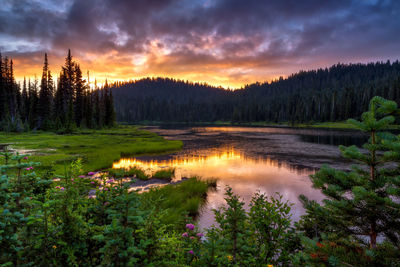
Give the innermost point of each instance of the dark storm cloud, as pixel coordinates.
(230, 34)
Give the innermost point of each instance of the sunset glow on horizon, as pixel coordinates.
(221, 43)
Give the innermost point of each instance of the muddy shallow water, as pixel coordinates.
(251, 159)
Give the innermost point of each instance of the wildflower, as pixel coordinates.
(28, 169)
(82, 176)
(72, 179)
(92, 182)
(105, 189)
(54, 246)
(185, 234)
(57, 187)
(320, 245)
(190, 226)
(25, 157)
(62, 188)
(270, 265)
(106, 203)
(192, 237)
(230, 258)
(191, 252)
(199, 235)
(90, 173)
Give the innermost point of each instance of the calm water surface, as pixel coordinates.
(250, 159)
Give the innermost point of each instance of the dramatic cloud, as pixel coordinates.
(222, 42)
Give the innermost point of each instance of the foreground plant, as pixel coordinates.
(261, 236)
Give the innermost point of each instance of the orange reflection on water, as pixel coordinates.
(221, 162)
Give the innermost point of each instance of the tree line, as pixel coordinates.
(64, 105)
(332, 94)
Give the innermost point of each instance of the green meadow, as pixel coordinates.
(98, 149)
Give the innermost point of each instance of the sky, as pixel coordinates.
(226, 43)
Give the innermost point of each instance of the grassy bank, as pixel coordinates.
(176, 200)
(97, 148)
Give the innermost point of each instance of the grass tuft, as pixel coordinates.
(132, 172)
(165, 174)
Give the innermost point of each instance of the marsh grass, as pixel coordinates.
(98, 149)
(165, 174)
(132, 172)
(183, 199)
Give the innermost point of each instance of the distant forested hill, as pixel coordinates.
(336, 93)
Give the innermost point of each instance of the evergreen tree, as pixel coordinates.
(362, 204)
(45, 98)
(79, 95)
(25, 102)
(33, 104)
(109, 113)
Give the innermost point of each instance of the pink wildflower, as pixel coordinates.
(185, 234)
(90, 173)
(190, 226)
(82, 176)
(199, 235)
(191, 252)
(92, 182)
(25, 157)
(192, 237)
(62, 188)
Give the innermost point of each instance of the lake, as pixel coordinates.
(250, 159)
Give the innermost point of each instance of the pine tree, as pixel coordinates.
(45, 98)
(68, 89)
(108, 103)
(362, 204)
(33, 104)
(25, 102)
(97, 114)
(79, 95)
